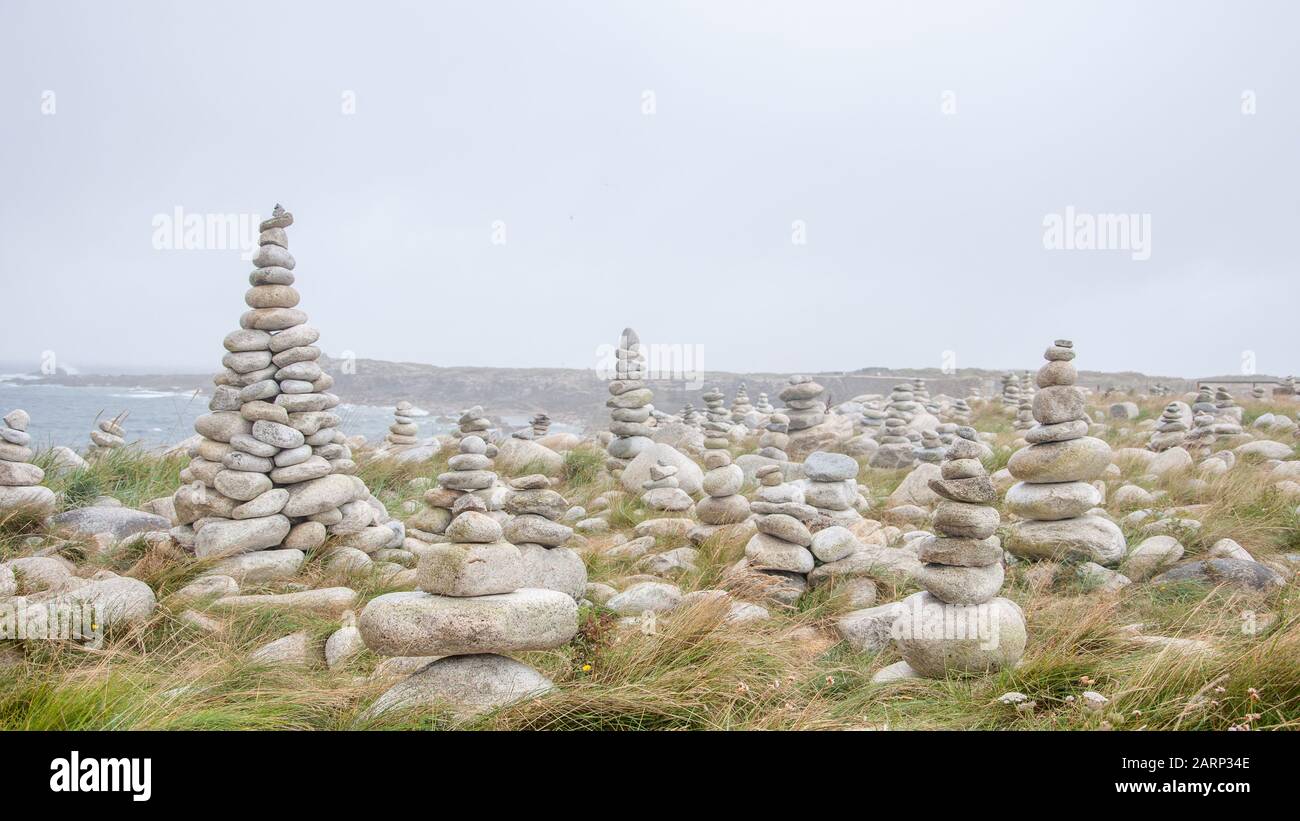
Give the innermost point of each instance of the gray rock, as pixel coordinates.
(223, 538)
(821, 466)
(1234, 572)
(869, 630)
(471, 569)
(557, 568)
(262, 566)
(655, 597)
(421, 624)
(1151, 556)
(119, 523)
(466, 686)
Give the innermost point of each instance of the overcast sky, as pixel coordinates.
(654, 164)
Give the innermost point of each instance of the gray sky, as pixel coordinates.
(924, 225)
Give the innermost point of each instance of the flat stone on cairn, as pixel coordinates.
(661, 490)
(629, 404)
(270, 468)
(20, 481)
(471, 601)
(1055, 471)
(1170, 431)
(535, 528)
(805, 408)
(959, 625)
(109, 434)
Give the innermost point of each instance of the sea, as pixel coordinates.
(156, 420)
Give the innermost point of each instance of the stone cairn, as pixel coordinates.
(722, 505)
(20, 481)
(960, 412)
(832, 485)
(1024, 414)
(896, 450)
(961, 575)
(1010, 391)
(1200, 439)
(472, 473)
(1170, 431)
(872, 421)
(805, 408)
(932, 447)
(662, 491)
(1258, 392)
(1228, 412)
(629, 404)
(108, 434)
(403, 432)
(1055, 470)
(535, 528)
(691, 416)
(271, 468)
(473, 604)
(763, 406)
(740, 406)
(541, 425)
(776, 438)
(780, 547)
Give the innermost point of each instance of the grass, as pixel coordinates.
(694, 670)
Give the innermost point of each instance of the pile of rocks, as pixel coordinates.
(535, 528)
(471, 607)
(1054, 494)
(763, 406)
(662, 491)
(20, 481)
(723, 504)
(402, 433)
(1010, 391)
(1257, 393)
(471, 473)
(960, 412)
(775, 439)
(1170, 431)
(1024, 414)
(270, 468)
(805, 410)
(629, 404)
(896, 450)
(832, 485)
(473, 422)
(962, 574)
(740, 406)
(932, 447)
(541, 424)
(109, 434)
(780, 548)
(690, 416)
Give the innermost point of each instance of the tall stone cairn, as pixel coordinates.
(473, 605)
(629, 404)
(108, 434)
(805, 407)
(1056, 470)
(723, 504)
(20, 481)
(962, 574)
(1010, 391)
(740, 405)
(896, 449)
(272, 469)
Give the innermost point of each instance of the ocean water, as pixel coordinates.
(63, 415)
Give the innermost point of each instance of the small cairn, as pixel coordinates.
(539, 534)
(1054, 494)
(932, 447)
(472, 606)
(775, 439)
(1287, 387)
(1010, 391)
(962, 574)
(471, 474)
(690, 416)
(1170, 431)
(541, 425)
(20, 480)
(763, 406)
(271, 468)
(662, 491)
(109, 434)
(780, 548)
(1024, 414)
(1257, 393)
(832, 485)
(960, 412)
(629, 404)
(740, 406)
(872, 422)
(805, 408)
(403, 432)
(723, 504)
(896, 449)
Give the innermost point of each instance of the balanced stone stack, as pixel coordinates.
(270, 467)
(471, 473)
(1024, 414)
(403, 432)
(805, 408)
(473, 422)
(1257, 392)
(20, 481)
(109, 434)
(629, 404)
(662, 491)
(763, 406)
(1204, 402)
(896, 449)
(1010, 392)
(832, 485)
(959, 625)
(723, 504)
(541, 425)
(960, 412)
(1227, 412)
(535, 528)
(740, 406)
(1055, 470)
(872, 422)
(780, 548)
(472, 606)
(690, 416)
(932, 447)
(775, 439)
(1170, 431)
